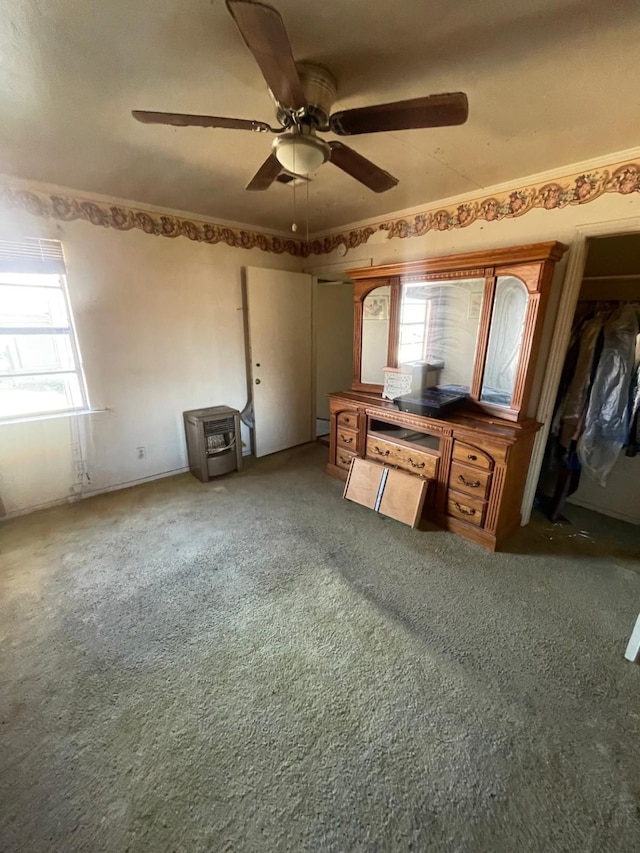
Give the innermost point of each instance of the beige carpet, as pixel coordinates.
(255, 665)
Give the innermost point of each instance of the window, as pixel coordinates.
(414, 328)
(40, 367)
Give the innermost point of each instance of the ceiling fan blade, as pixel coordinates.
(184, 120)
(264, 33)
(266, 174)
(360, 168)
(432, 111)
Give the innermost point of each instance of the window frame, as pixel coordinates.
(426, 324)
(68, 331)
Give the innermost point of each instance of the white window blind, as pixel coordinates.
(32, 255)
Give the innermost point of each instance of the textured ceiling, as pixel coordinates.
(550, 82)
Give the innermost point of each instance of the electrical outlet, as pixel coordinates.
(142, 452)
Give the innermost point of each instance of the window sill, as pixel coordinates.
(70, 413)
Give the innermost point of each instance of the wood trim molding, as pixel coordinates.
(495, 499)
(482, 343)
(531, 335)
(393, 342)
(449, 275)
(474, 261)
(397, 417)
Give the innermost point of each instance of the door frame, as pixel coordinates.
(560, 340)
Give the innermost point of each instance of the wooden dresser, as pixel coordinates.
(477, 465)
(475, 321)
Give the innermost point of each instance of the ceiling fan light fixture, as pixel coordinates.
(300, 155)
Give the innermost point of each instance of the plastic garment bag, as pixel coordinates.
(633, 438)
(607, 415)
(635, 384)
(573, 410)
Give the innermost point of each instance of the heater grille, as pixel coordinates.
(218, 427)
(219, 435)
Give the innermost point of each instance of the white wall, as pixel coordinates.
(160, 328)
(620, 498)
(333, 331)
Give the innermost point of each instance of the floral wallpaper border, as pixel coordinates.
(65, 208)
(583, 188)
(623, 179)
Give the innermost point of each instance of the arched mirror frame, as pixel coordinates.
(531, 264)
(361, 289)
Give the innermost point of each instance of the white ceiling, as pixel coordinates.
(550, 82)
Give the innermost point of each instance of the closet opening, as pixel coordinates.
(333, 344)
(592, 457)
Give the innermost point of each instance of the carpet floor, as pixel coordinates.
(256, 665)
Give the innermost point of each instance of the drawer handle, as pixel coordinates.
(344, 460)
(472, 484)
(415, 464)
(381, 452)
(345, 439)
(463, 509)
(472, 456)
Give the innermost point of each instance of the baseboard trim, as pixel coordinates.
(611, 513)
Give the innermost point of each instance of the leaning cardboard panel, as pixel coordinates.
(386, 490)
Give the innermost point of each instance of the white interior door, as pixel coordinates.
(279, 325)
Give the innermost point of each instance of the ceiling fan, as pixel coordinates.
(304, 94)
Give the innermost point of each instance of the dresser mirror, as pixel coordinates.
(477, 318)
(439, 323)
(505, 341)
(375, 334)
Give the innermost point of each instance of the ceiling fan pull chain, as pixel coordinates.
(307, 237)
(294, 225)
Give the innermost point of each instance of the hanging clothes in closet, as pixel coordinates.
(598, 399)
(633, 439)
(607, 419)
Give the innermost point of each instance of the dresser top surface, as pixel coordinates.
(462, 418)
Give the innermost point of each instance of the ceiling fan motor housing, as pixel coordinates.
(320, 91)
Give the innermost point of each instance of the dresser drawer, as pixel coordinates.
(466, 508)
(344, 457)
(471, 481)
(470, 455)
(348, 420)
(414, 461)
(346, 438)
